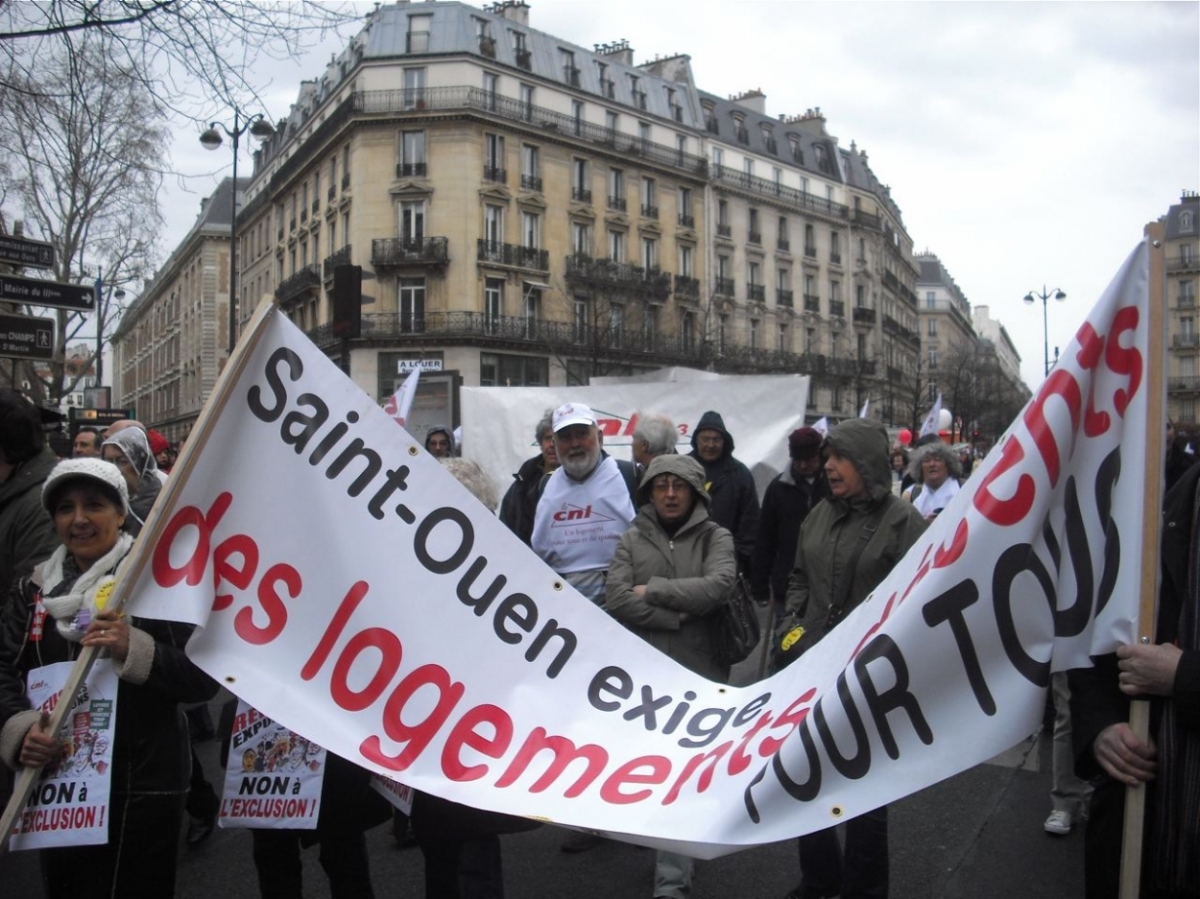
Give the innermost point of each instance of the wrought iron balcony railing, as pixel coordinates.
(812, 303)
(306, 279)
(620, 275)
(790, 195)
(399, 251)
(333, 260)
(510, 254)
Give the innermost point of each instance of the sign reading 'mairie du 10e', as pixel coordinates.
(22, 251)
(26, 338)
(47, 293)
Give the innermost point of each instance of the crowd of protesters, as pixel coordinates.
(677, 532)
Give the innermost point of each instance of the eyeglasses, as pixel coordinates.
(670, 485)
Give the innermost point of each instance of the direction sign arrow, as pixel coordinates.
(24, 337)
(47, 293)
(22, 251)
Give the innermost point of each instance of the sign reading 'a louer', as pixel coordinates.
(47, 293)
(26, 338)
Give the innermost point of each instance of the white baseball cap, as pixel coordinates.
(572, 414)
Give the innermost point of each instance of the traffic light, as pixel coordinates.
(347, 301)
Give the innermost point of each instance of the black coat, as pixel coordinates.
(785, 505)
(520, 502)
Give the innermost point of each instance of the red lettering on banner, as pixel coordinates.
(464, 734)
(1060, 384)
(240, 577)
(166, 575)
(1124, 360)
(272, 604)
(657, 769)
(1006, 511)
(793, 715)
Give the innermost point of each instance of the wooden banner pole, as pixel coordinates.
(1153, 465)
(141, 553)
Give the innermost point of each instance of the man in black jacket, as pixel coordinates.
(520, 502)
(730, 484)
(787, 502)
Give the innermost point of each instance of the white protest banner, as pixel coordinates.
(351, 589)
(759, 412)
(274, 775)
(399, 406)
(398, 794)
(69, 806)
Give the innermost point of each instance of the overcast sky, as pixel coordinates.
(1027, 144)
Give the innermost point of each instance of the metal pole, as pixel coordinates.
(99, 323)
(1045, 323)
(233, 239)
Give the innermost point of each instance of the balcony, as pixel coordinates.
(340, 257)
(649, 212)
(394, 252)
(316, 206)
(331, 194)
(303, 216)
(783, 245)
(487, 46)
(1184, 341)
(581, 195)
(754, 237)
(835, 258)
(514, 256)
(305, 280)
(784, 298)
(812, 303)
(524, 60)
(495, 174)
(724, 287)
(571, 76)
(864, 316)
(1183, 263)
(837, 308)
(810, 252)
(605, 274)
(1185, 384)
(756, 293)
(1185, 301)
(725, 231)
(617, 203)
(792, 196)
(687, 288)
(410, 170)
(531, 182)
(867, 220)
(687, 221)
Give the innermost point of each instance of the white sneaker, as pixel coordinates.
(1059, 823)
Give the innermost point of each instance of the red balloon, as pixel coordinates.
(905, 436)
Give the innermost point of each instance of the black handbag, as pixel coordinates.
(734, 626)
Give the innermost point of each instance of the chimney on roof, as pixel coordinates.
(754, 100)
(513, 10)
(617, 51)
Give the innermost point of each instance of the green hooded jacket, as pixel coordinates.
(829, 534)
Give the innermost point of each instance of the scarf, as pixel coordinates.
(70, 596)
(1176, 824)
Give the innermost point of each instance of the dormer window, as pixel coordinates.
(1186, 221)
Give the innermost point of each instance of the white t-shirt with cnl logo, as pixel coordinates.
(578, 524)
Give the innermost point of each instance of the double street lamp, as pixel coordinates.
(211, 139)
(1030, 299)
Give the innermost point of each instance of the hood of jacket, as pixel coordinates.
(712, 421)
(682, 467)
(29, 475)
(864, 441)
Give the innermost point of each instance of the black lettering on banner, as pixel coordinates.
(949, 606)
(1016, 560)
(336, 433)
(548, 632)
(373, 465)
(298, 428)
(748, 799)
(898, 696)
(1106, 476)
(480, 603)
(613, 681)
(680, 711)
(706, 734)
(254, 394)
(649, 706)
(1074, 619)
(851, 767)
(805, 791)
(425, 528)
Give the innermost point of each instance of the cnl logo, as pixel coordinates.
(573, 513)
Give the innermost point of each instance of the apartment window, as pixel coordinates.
(777, 177)
(1186, 221)
(510, 370)
(332, 245)
(607, 88)
(755, 235)
(803, 185)
(1187, 295)
(932, 329)
(649, 254)
(616, 189)
(566, 59)
(686, 214)
(829, 192)
(794, 146)
(722, 331)
(582, 319)
(753, 276)
(933, 358)
(687, 329)
(412, 304)
(580, 181)
(748, 166)
(644, 134)
(581, 239)
(860, 296)
(612, 122)
(681, 143)
(577, 115)
(783, 279)
(649, 198)
(493, 302)
(616, 246)
(723, 268)
(616, 322)
(493, 224)
(650, 324)
(718, 157)
(531, 230)
(493, 157)
(862, 250)
(414, 88)
(810, 286)
(526, 95)
(418, 33)
(930, 299)
(862, 346)
(412, 221)
(530, 167)
(491, 89)
(412, 154)
(835, 246)
(810, 241)
(1187, 325)
(531, 309)
(723, 216)
(784, 344)
(782, 240)
(686, 261)
(754, 325)
(1186, 253)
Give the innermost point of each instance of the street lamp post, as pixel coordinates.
(102, 302)
(211, 139)
(1030, 299)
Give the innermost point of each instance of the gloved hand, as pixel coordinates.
(786, 642)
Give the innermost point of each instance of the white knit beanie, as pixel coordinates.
(84, 467)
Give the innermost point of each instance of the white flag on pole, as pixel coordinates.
(930, 424)
(400, 405)
(821, 426)
(863, 412)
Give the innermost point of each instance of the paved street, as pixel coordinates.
(975, 836)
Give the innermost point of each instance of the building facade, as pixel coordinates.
(171, 343)
(1182, 264)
